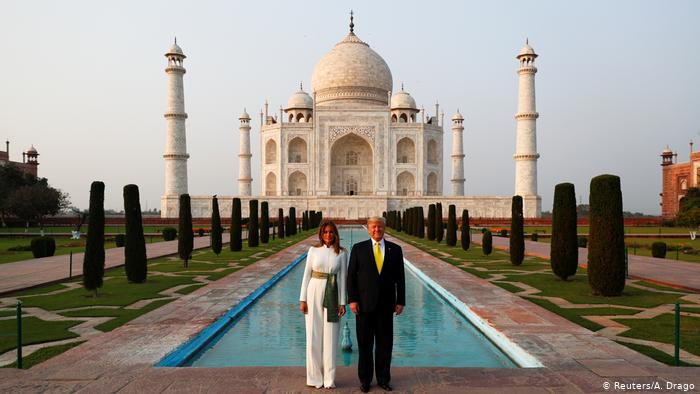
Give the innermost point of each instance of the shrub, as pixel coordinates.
(658, 249)
(43, 247)
(438, 223)
(606, 251)
(517, 236)
(94, 257)
(466, 234)
(534, 237)
(503, 233)
(421, 222)
(185, 240)
(216, 229)
(564, 248)
(236, 226)
(253, 231)
(169, 233)
(135, 244)
(292, 220)
(280, 223)
(264, 222)
(399, 223)
(582, 242)
(119, 240)
(451, 237)
(200, 231)
(487, 242)
(431, 222)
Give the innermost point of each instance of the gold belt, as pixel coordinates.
(319, 275)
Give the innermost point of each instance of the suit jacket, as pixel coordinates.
(370, 289)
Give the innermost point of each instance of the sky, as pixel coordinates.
(84, 82)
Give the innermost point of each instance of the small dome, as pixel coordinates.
(32, 149)
(300, 100)
(457, 116)
(667, 151)
(244, 115)
(402, 100)
(175, 50)
(527, 51)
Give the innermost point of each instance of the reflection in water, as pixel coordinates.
(428, 333)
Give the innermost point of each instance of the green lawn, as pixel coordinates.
(535, 272)
(628, 230)
(83, 230)
(64, 245)
(43, 354)
(34, 331)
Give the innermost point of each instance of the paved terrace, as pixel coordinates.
(575, 359)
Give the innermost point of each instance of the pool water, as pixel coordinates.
(429, 332)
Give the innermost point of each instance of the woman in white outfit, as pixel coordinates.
(323, 300)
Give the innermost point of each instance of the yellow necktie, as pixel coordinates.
(378, 257)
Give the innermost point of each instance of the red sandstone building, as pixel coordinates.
(29, 164)
(676, 179)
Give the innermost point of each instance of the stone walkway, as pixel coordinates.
(674, 273)
(31, 273)
(574, 359)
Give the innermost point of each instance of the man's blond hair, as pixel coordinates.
(376, 219)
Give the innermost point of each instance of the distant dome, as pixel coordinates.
(244, 115)
(300, 100)
(667, 151)
(457, 116)
(352, 71)
(32, 149)
(402, 100)
(175, 50)
(527, 50)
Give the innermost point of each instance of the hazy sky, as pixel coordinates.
(84, 82)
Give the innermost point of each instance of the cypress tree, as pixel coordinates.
(466, 234)
(399, 226)
(216, 229)
(438, 223)
(305, 220)
(94, 257)
(134, 244)
(280, 223)
(293, 220)
(564, 248)
(264, 222)
(185, 235)
(253, 230)
(451, 238)
(421, 223)
(414, 221)
(287, 227)
(606, 243)
(517, 236)
(236, 226)
(431, 222)
(487, 242)
(312, 219)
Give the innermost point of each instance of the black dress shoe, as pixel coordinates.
(385, 386)
(364, 388)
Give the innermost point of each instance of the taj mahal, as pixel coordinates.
(352, 147)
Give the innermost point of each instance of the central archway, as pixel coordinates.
(351, 166)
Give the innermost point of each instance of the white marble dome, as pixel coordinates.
(352, 71)
(402, 100)
(300, 100)
(527, 50)
(175, 50)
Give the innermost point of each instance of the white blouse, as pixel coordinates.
(324, 259)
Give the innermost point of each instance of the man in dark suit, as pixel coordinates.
(376, 290)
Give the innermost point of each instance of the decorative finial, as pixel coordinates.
(352, 25)
(301, 86)
(402, 86)
(175, 40)
(527, 41)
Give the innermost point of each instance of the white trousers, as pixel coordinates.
(321, 338)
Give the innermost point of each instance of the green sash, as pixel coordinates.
(330, 296)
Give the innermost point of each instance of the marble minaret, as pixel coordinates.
(457, 155)
(526, 132)
(244, 178)
(176, 142)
